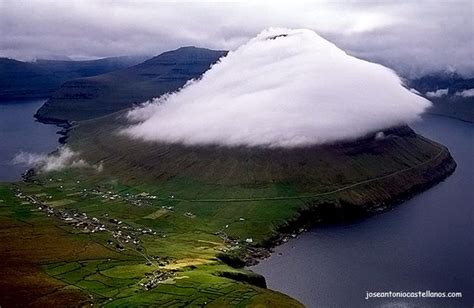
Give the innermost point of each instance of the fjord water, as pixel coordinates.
(20, 132)
(426, 243)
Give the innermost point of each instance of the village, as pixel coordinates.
(123, 235)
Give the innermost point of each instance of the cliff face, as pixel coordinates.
(354, 202)
(368, 198)
(92, 97)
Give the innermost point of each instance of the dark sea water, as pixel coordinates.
(426, 243)
(20, 132)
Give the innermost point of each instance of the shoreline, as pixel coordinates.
(65, 126)
(450, 117)
(314, 214)
(324, 213)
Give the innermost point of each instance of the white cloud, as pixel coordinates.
(292, 90)
(465, 93)
(61, 159)
(437, 93)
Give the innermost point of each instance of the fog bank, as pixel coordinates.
(284, 88)
(60, 160)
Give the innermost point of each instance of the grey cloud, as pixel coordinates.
(413, 37)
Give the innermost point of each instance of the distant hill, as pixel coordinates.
(25, 80)
(87, 98)
(449, 94)
(76, 69)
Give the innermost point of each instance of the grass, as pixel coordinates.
(109, 276)
(184, 207)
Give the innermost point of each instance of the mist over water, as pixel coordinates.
(19, 132)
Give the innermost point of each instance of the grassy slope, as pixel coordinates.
(221, 197)
(26, 80)
(84, 267)
(87, 98)
(272, 184)
(20, 80)
(29, 239)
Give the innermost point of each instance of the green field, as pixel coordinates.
(172, 266)
(169, 225)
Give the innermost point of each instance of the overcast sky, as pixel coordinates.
(413, 36)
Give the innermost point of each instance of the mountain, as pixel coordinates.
(25, 80)
(274, 190)
(449, 93)
(239, 171)
(166, 223)
(156, 219)
(87, 98)
(76, 69)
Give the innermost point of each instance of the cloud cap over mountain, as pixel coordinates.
(284, 88)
